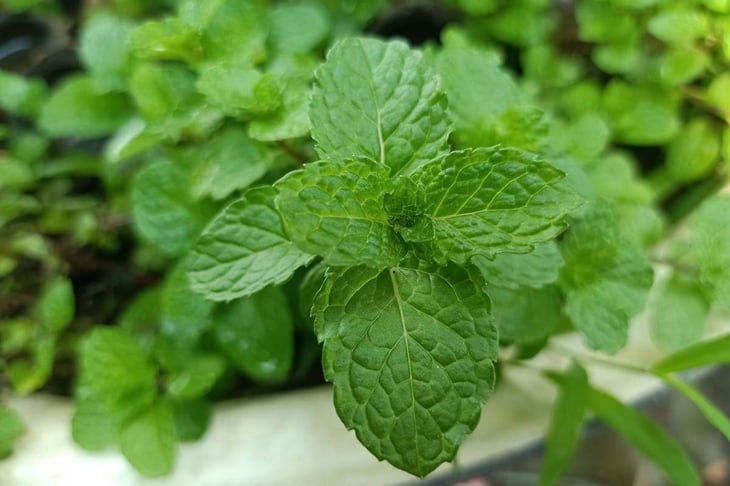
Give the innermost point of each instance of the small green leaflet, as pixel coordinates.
(335, 210)
(410, 352)
(149, 440)
(646, 436)
(491, 200)
(244, 249)
(565, 424)
(511, 270)
(11, 428)
(56, 306)
(379, 100)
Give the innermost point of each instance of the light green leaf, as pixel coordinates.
(335, 210)
(113, 369)
(164, 211)
(565, 424)
(256, 333)
(678, 313)
(104, 50)
(191, 419)
(29, 374)
(711, 352)
(232, 30)
(679, 66)
(606, 278)
(491, 200)
(478, 89)
(92, 427)
(148, 441)
(196, 377)
(186, 315)
(646, 436)
(713, 414)
(694, 152)
(241, 91)
(75, 109)
(511, 270)
(227, 162)
(679, 27)
(295, 29)
(526, 315)
(11, 428)
(243, 250)
(21, 95)
(378, 100)
(56, 307)
(170, 39)
(708, 247)
(290, 120)
(410, 352)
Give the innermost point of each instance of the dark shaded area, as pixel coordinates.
(417, 23)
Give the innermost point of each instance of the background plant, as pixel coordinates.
(611, 119)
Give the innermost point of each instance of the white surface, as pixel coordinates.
(297, 439)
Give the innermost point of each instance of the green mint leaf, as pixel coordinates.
(244, 249)
(378, 100)
(169, 39)
(491, 200)
(186, 315)
(290, 120)
(565, 424)
(712, 413)
(678, 313)
(191, 419)
(410, 352)
(76, 110)
(104, 50)
(679, 26)
(646, 436)
(511, 270)
(196, 377)
(21, 95)
(148, 441)
(227, 162)
(526, 315)
(92, 427)
(114, 369)
(164, 211)
(11, 429)
(694, 152)
(335, 210)
(606, 278)
(29, 374)
(712, 351)
(241, 91)
(297, 29)
(478, 89)
(256, 333)
(708, 247)
(56, 307)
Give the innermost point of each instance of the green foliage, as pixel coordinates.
(212, 194)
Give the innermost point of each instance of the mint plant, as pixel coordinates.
(205, 209)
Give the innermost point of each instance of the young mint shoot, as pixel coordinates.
(409, 340)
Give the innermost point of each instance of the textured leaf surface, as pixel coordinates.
(257, 334)
(149, 441)
(114, 369)
(565, 424)
(410, 354)
(378, 100)
(164, 211)
(335, 210)
(491, 200)
(511, 270)
(606, 278)
(646, 436)
(244, 249)
(678, 313)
